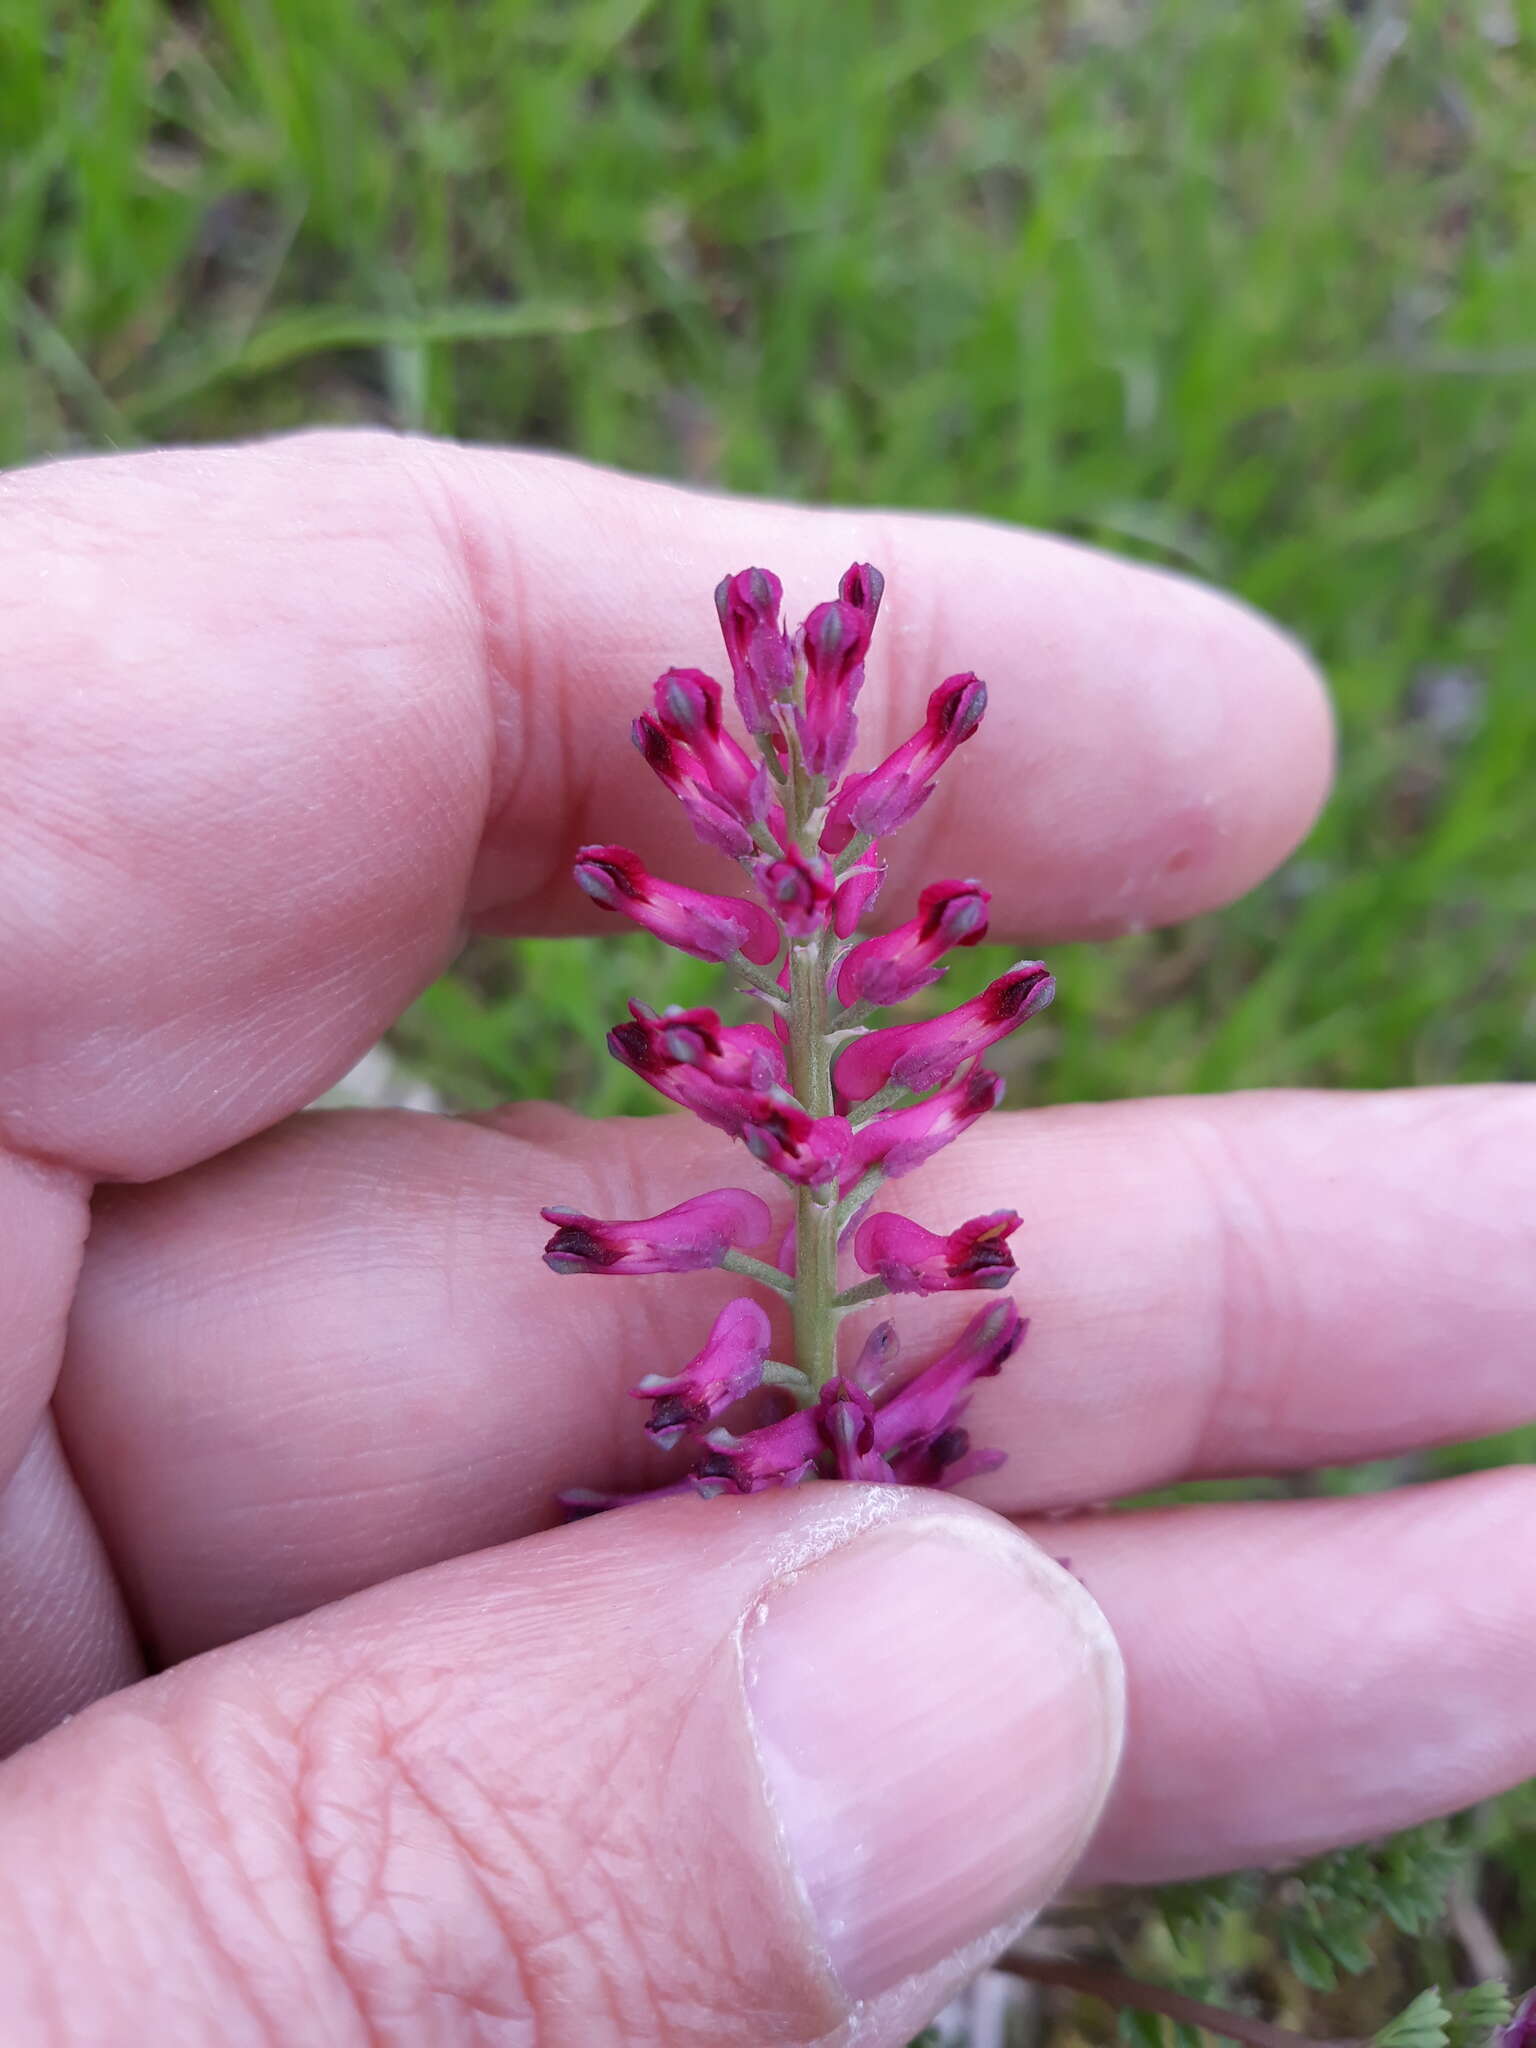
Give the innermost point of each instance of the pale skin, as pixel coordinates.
(278, 725)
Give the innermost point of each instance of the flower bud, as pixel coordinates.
(884, 799)
(928, 1053)
(723, 792)
(761, 662)
(898, 1141)
(894, 966)
(708, 927)
(798, 890)
(835, 639)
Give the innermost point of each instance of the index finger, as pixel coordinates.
(279, 719)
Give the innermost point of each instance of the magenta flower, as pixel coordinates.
(805, 1149)
(735, 1055)
(779, 1454)
(902, 1140)
(810, 840)
(930, 1052)
(729, 1367)
(717, 783)
(798, 888)
(846, 1418)
(760, 657)
(835, 638)
(896, 965)
(891, 795)
(1519, 2030)
(911, 1260)
(708, 927)
(933, 1400)
(696, 1234)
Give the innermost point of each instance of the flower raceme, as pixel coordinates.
(830, 1106)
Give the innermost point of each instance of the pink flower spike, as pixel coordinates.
(835, 639)
(911, 1260)
(896, 965)
(781, 1454)
(722, 790)
(890, 796)
(729, 1366)
(696, 1234)
(928, 1053)
(708, 927)
(798, 890)
(899, 1141)
(933, 1400)
(857, 892)
(761, 662)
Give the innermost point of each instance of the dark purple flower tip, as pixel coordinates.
(929, 1053)
(733, 1055)
(863, 586)
(898, 1141)
(894, 966)
(728, 1367)
(798, 889)
(761, 662)
(945, 1460)
(688, 705)
(885, 798)
(911, 1260)
(708, 927)
(779, 1454)
(696, 1234)
(805, 1150)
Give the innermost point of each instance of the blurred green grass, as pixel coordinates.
(1247, 290)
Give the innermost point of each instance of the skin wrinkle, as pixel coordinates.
(319, 1817)
(1255, 1313)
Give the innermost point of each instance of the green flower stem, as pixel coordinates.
(760, 1271)
(856, 1297)
(762, 979)
(888, 1098)
(810, 1064)
(857, 1196)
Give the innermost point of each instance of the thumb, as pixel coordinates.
(783, 1769)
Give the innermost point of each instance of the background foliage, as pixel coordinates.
(1246, 289)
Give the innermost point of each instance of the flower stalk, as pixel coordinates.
(831, 1106)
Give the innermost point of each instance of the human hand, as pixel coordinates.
(276, 724)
